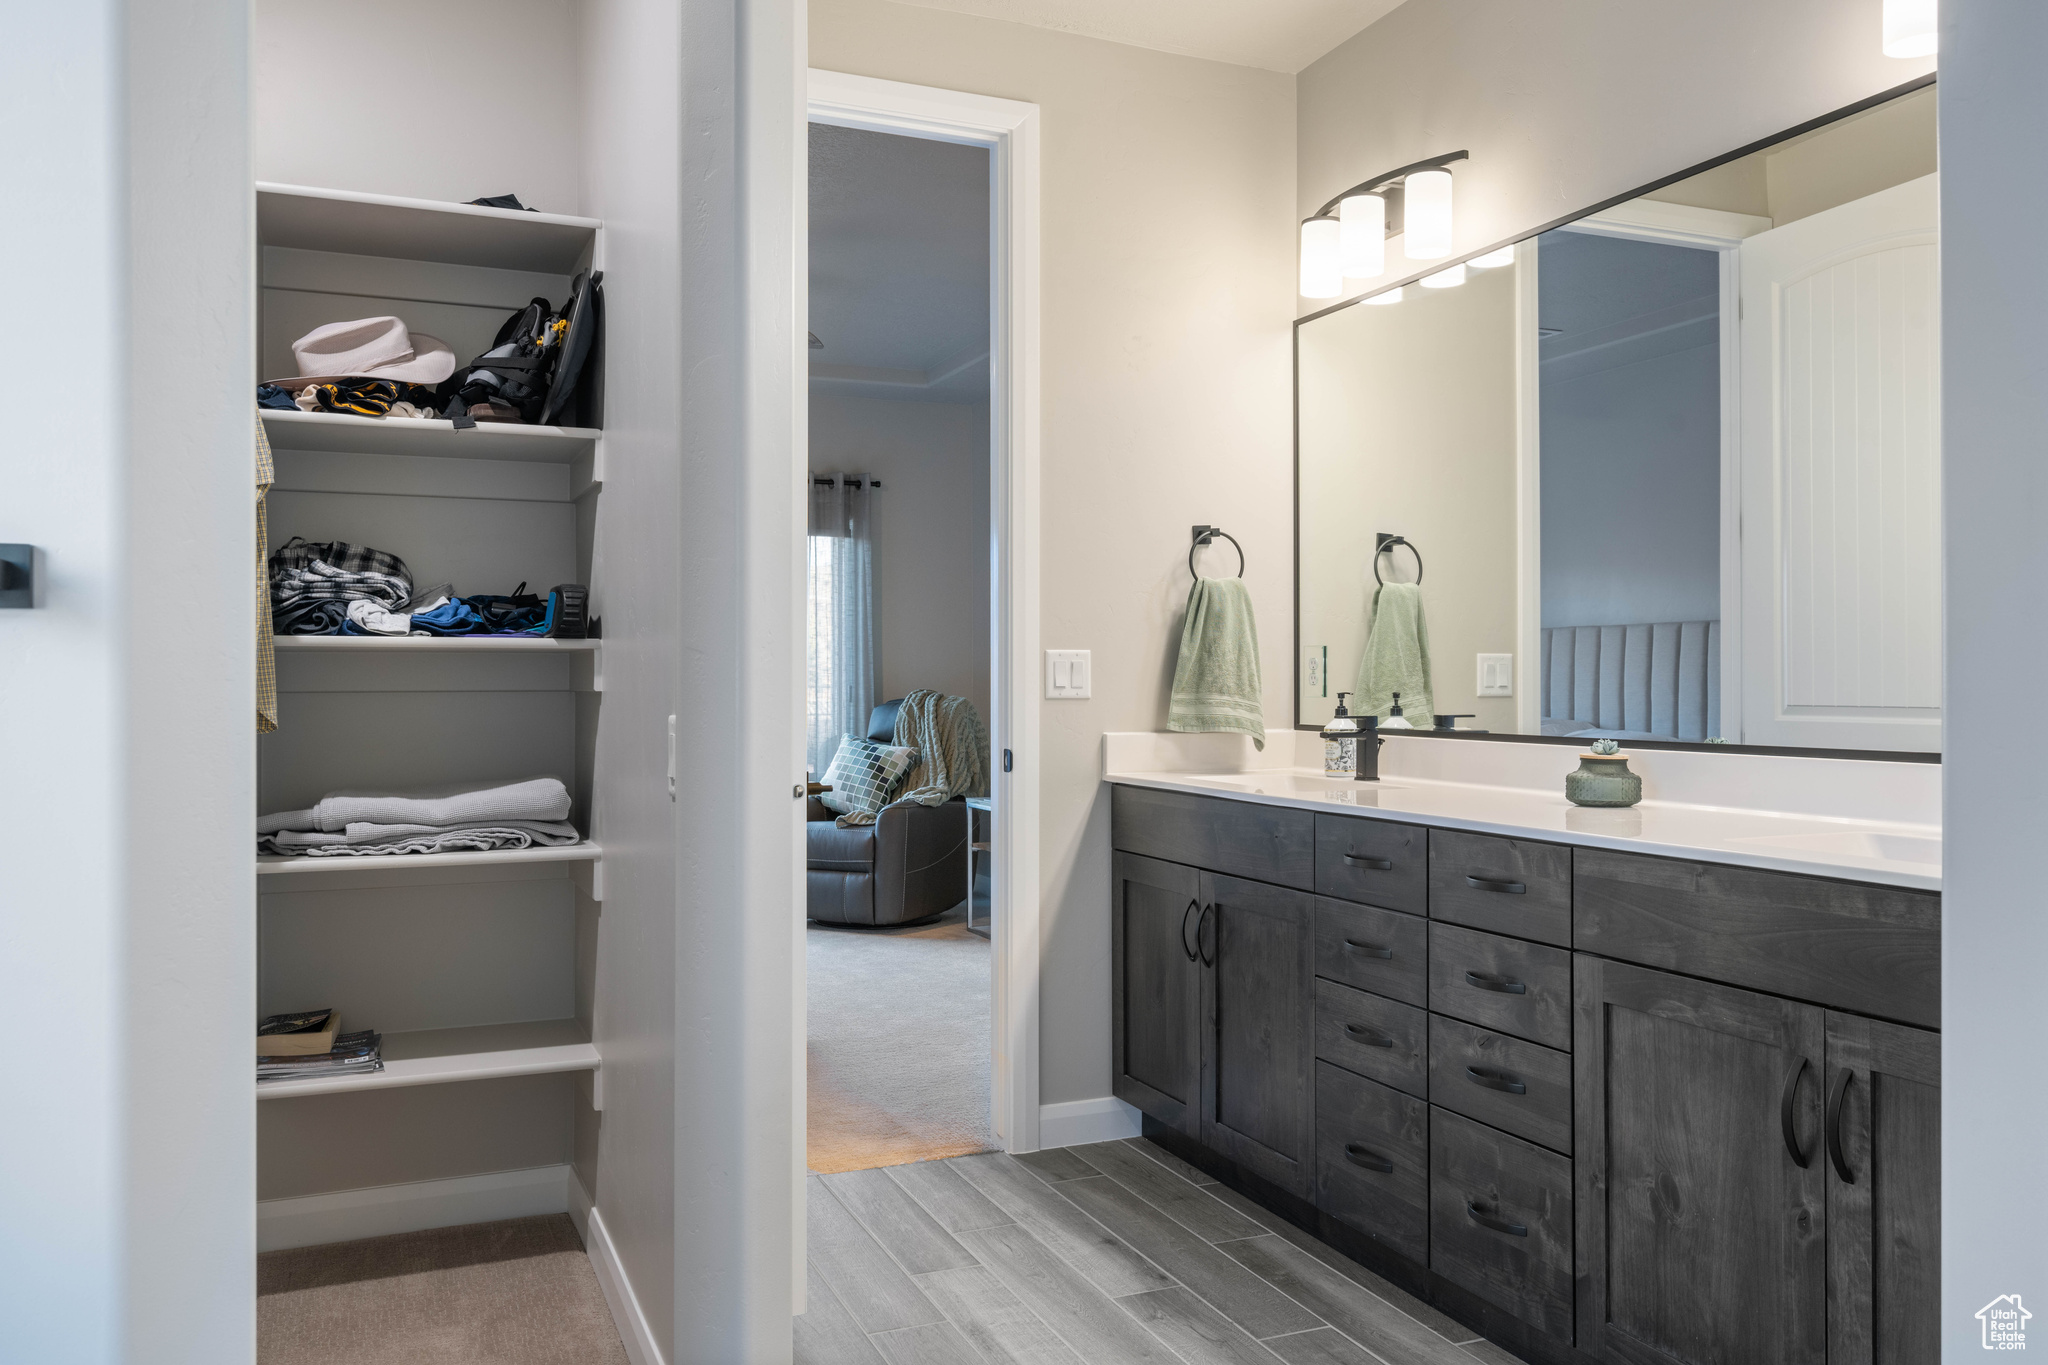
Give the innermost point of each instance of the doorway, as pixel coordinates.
(952, 540)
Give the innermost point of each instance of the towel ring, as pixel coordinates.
(1386, 548)
(1209, 534)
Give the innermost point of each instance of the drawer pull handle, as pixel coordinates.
(1500, 884)
(1352, 945)
(1835, 1152)
(1201, 944)
(1376, 864)
(1368, 1158)
(1372, 1039)
(1488, 1220)
(1786, 1116)
(1487, 981)
(1184, 930)
(1495, 1080)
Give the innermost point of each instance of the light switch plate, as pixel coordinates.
(1066, 674)
(1496, 675)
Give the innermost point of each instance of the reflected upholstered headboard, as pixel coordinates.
(1660, 681)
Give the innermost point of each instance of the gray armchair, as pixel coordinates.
(911, 864)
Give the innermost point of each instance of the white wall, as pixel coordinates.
(127, 901)
(1568, 103)
(931, 534)
(1165, 403)
(1994, 1196)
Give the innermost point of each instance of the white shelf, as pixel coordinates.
(313, 219)
(269, 864)
(446, 1055)
(339, 432)
(434, 644)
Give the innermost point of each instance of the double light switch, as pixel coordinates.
(1066, 673)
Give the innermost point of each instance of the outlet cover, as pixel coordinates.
(1067, 674)
(1496, 675)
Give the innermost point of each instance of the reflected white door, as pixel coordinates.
(1841, 477)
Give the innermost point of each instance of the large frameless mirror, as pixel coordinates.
(1667, 473)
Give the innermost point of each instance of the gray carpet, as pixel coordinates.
(519, 1292)
(898, 1045)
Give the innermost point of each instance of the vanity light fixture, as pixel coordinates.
(1910, 28)
(1391, 296)
(1347, 237)
(1505, 256)
(1448, 278)
(1322, 268)
(1362, 236)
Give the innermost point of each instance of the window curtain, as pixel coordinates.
(840, 678)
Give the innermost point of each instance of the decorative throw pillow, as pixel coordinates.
(864, 775)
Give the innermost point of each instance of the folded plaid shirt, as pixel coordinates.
(311, 570)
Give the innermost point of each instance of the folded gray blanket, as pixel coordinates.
(542, 799)
(365, 840)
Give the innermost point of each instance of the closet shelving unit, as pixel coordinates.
(478, 968)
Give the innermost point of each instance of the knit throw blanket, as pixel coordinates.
(952, 752)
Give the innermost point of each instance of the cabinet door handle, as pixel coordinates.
(1836, 1095)
(1368, 1036)
(1368, 1158)
(1786, 1106)
(1352, 945)
(1500, 884)
(1201, 945)
(1184, 929)
(1487, 981)
(1488, 1220)
(1376, 864)
(1495, 1080)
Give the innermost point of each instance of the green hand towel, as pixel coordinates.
(1396, 658)
(1216, 683)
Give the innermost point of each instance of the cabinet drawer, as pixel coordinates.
(1372, 1159)
(1375, 950)
(1523, 1087)
(1511, 886)
(1265, 843)
(1375, 1037)
(1868, 949)
(1375, 861)
(1502, 983)
(1500, 1220)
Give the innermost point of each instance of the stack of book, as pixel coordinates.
(292, 1047)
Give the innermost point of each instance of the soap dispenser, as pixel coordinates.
(1340, 742)
(1395, 720)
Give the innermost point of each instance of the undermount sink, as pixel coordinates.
(1857, 843)
(1340, 791)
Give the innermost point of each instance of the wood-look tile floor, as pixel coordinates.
(1114, 1254)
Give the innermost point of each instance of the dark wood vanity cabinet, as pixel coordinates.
(1637, 1107)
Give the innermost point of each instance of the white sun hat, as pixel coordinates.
(368, 348)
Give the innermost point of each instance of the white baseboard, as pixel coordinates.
(1082, 1121)
(618, 1290)
(346, 1215)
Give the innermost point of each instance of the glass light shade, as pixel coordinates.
(1426, 215)
(1363, 236)
(1391, 296)
(1910, 29)
(1505, 256)
(1322, 272)
(1445, 279)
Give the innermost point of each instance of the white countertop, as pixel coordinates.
(1889, 853)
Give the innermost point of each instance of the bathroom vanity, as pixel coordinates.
(1597, 1102)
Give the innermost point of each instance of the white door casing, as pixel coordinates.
(1841, 477)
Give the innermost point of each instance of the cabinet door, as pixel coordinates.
(1257, 944)
(1155, 989)
(1701, 1196)
(1884, 1193)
